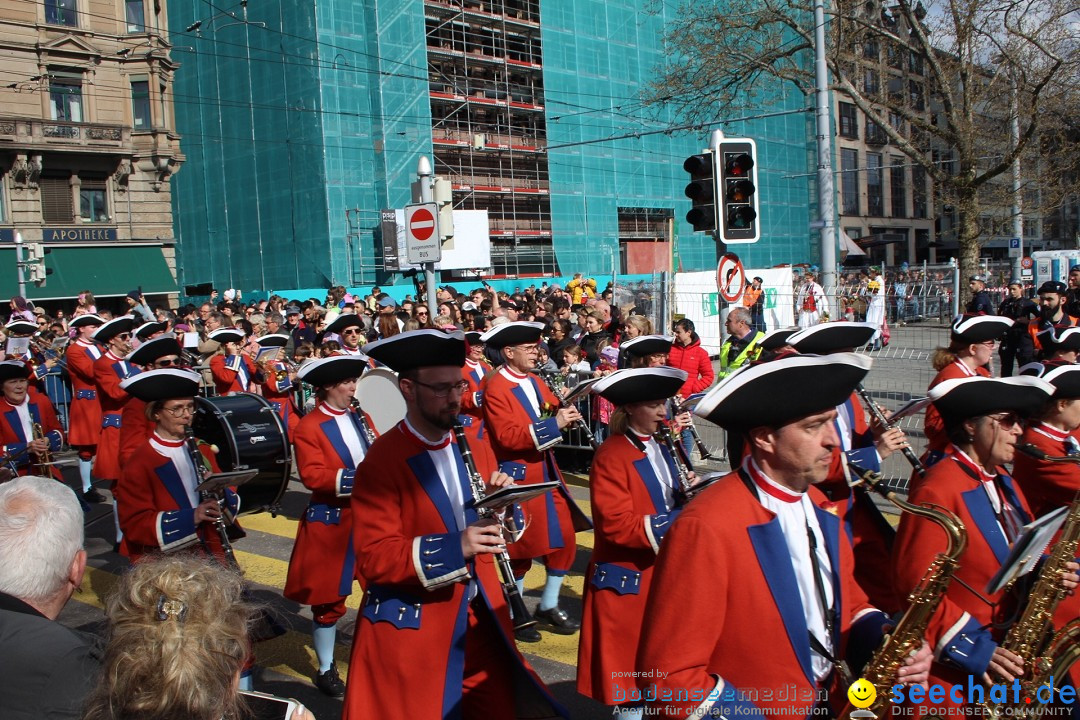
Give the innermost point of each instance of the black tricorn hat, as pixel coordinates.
(972, 397)
(778, 338)
(345, 320)
(332, 370)
(825, 338)
(163, 384)
(19, 326)
(151, 350)
(513, 333)
(114, 327)
(640, 385)
(979, 328)
(13, 370)
(778, 392)
(644, 345)
(227, 334)
(275, 340)
(1065, 377)
(147, 329)
(419, 348)
(86, 319)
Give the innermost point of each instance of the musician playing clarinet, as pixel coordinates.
(21, 408)
(434, 637)
(635, 489)
(330, 442)
(157, 495)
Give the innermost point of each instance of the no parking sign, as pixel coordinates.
(730, 278)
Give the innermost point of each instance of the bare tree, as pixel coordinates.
(980, 60)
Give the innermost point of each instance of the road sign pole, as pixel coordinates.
(20, 264)
(424, 176)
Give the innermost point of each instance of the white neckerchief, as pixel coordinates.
(349, 433)
(659, 466)
(443, 458)
(795, 513)
(525, 383)
(182, 461)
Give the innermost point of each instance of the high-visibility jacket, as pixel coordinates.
(748, 354)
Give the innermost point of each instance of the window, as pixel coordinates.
(874, 196)
(849, 121)
(61, 12)
(918, 191)
(899, 188)
(56, 205)
(162, 122)
(870, 49)
(897, 122)
(849, 181)
(93, 201)
(915, 90)
(915, 63)
(1031, 227)
(875, 134)
(140, 104)
(135, 13)
(870, 82)
(894, 55)
(65, 95)
(3, 215)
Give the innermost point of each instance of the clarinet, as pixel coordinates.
(519, 613)
(369, 432)
(880, 417)
(682, 464)
(202, 472)
(702, 449)
(580, 423)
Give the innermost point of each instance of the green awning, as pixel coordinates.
(105, 271)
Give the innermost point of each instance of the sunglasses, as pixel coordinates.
(168, 362)
(351, 331)
(123, 336)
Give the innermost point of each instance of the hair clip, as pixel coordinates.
(174, 609)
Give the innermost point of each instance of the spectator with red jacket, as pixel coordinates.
(688, 355)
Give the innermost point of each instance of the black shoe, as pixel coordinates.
(557, 621)
(528, 635)
(94, 496)
(329, 683)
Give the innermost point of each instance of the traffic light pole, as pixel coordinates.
(826, 194)
(20, 264)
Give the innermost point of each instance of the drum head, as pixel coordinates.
(381, 398)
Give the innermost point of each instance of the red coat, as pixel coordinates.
(13, 438)
(725, 603)
(109, 372)
(155, 511)
(135, 428)
(521, 442)
(933, 425)
(231, 371)
(282, 397)
(473, 399)
(956, 633)
(408, 652)
(321, 568)
(695, 361)
(84, 414)
(631, 515)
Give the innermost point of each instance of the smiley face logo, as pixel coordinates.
(861, 694)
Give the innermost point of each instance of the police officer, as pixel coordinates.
(1017, 345)
(980, 299)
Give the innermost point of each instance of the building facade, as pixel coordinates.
(302, 121)
(88, 145)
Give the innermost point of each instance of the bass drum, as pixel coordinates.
(249, 436)
(380, 398)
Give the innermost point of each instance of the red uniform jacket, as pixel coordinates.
(233, 373)
(109, 372)
(933, 425)
(321, 568)
(156, 514)
(521, 441)
(752, 631)
(473, 400)
(14, 439)
(956, 634)
(84, 415)
(631, 515)
(280, 395)
(135, 429)
(408, 651)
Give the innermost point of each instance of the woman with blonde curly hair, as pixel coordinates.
(177, 642)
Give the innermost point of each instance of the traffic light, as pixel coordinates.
(442, 194)
(738, 180)
(35, 263)
(702, 191)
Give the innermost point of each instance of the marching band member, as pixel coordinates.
(350, 328)
(473, 372)
(982, 418)
(278, 381)
(774, 565)
(634, 488)
(149, 331)
(233, 371)
(645, 351)
(425, 560)
(971, 345)
(523, 426)
(109, 371)
(19, 328)
(84, 415)
(20, 409)
(330, 443)
(135, 426)
(1050, 485)
(158, 499)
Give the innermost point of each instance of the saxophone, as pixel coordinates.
(907, 636)
(1032, 636)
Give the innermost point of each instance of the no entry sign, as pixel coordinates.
(421, 239)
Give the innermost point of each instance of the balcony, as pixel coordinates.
(69, 136)
(445, 137)
(500, 185)
(507, 228)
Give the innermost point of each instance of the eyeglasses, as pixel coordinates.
(169, 362)
(180, 410)
(421, 312)
(441, 391)
(1008, 420)
(528, 349)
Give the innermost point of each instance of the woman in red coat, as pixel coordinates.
(233, 372)
(634, 488)
(135, 427)
(84, 415)
(330, 444)
(21, 408)
(971, 345)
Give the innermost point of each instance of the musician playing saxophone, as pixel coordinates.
(23, 410)
(434, 636)
(982, 419)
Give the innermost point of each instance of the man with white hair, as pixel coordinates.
(46, 669)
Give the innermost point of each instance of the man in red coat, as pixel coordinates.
(21, 408)
(433, 638)
(330, 443)
(233, 370)
(753, 603)
(84, 415)
(523, 421)
(278, 380)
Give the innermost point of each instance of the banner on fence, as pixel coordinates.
(696, 297)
